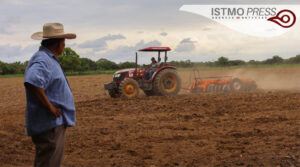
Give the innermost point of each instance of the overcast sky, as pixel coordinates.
(115, 29)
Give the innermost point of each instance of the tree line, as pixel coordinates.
(72, 62)
(225, 62)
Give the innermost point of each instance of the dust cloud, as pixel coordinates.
(287, 78)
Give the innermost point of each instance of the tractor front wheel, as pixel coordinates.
(129, 88)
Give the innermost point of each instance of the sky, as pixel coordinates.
(115, 29)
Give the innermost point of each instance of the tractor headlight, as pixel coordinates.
(117, 75)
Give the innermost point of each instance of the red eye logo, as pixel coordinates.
(284, 18)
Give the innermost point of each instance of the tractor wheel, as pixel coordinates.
(166, 82)
(114, 93)
(129, 88)
(236, 85)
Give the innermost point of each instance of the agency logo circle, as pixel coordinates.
(285, 18)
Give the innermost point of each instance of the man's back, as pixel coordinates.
(44, 71)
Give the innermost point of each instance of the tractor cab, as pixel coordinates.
(149, 70)
(159, 50)
(161, 79)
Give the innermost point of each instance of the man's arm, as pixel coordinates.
(40, 95)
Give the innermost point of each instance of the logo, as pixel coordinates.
(254, 20)
(284, 18)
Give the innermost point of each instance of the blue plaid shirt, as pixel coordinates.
(44, 71)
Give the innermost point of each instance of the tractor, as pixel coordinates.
(164, 80)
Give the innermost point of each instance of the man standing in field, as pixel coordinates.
(50, 106)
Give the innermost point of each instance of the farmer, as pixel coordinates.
(152, 68)
(50, 105)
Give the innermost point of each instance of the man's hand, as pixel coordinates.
(55, 111)
(40, 95)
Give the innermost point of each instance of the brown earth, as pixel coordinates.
(243, 129)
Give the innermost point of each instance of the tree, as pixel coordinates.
(294, 60)
(105, 64)
(236, 62)
(88, 65)
(127, 65)
(70, 60)
(253, 62)
(222, 61)
(274, 60)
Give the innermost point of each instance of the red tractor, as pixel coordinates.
(163, 79)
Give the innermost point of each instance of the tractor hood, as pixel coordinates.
(123, 73)
(125, 70)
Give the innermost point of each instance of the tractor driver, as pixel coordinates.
(152, 68)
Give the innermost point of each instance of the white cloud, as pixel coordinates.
(186, 45)
(100, 43)
(124, 53)
(93, 18)
(164, 34)
(9, 53)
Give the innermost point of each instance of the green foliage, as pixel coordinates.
(127, 65)
(253, 62)
(183, 64)
(13, 68)
(104, 64)
(236, 62)
(88, 65)
(274, 60)
(74, 65)
(294, 60)
(222, 61)
(70, 60)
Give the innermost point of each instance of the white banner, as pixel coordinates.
(255, 20)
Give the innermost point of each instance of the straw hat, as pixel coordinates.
(52, 30)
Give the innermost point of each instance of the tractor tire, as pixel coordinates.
(114, 93)
(129, 88)
(236, 85)
(167, 82)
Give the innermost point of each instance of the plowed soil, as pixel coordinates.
(258, 128)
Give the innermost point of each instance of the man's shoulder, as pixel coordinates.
(40, 57)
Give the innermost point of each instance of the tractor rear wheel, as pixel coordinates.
(129, 88)
(166, 82)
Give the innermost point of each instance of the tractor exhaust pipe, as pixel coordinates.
(136, 63)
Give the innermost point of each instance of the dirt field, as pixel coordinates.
(244, 129)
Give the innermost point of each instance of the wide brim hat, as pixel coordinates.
(52, 30)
